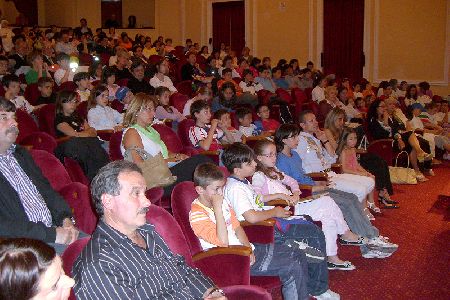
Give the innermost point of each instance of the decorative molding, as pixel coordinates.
(443, 82)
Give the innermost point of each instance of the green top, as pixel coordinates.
(32, 76)
(154, 136)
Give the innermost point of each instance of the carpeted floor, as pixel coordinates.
(420, 269)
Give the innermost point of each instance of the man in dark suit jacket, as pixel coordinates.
(30, 208)
(83, 28)
(19, 59)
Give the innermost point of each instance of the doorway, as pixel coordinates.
(229, 25)
(343, 38)
(111, 9)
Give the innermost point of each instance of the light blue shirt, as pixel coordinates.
(102, 118)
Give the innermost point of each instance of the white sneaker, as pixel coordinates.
(381, 241)
(329, 294)
(376, 254)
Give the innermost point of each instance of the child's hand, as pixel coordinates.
(280, 212)
(214, 123)
(216, 201)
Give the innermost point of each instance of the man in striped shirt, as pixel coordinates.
(126, 258)
(30, 208)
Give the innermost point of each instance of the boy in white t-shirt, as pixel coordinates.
(215, 224)
(64, 73)
(11, 84)
(82, 81)
(239, 159)
(246, 127)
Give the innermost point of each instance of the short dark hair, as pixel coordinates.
(161, 90)
(276, 69)
(22, 263)
(64, 97)
(107, 181)
(6, 105)
(18, 37)
(136, 64)
(303, 113)
(226, 70)
(259, 106)
(263, 68)
(198, 106)
(207, 173)
(62, 56)
(43, 80)
(309, 63)
(80, 76)
(241, 112)
(107, 72)
(8, 78)
(283, 132)
(237, 154)
(246, 72)
(218, 114)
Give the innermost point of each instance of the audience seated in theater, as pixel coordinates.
(266, 123)
(65, 45)
(32, 270)
(207, 133)
(226, 99)
(239, 160)
(138, 55)
(139, 135)
(125, 42)
(295, 66)
(160, 78)
(211, 68)
(164, 110)
(255, 63)
(11, 84)
(246, 127)
(248, 84)
(290, 163)
(306, 81)
(21, 49)
(64, 73)
(148, 49)
(122, 64)
(83, 144)
(215, 223)
(424, 90)
(137, 83)
(123, 239)
(30, 206)
(96, 71)
(245, 54)
(265, 79)
(441, 116)
(318, 92)
(45, 88)
(190, 70)
(243, 65)
(292, 79)
(100, 115)
(203, 93)
(81, 79)
(227, 78)
(38, 68)
(383, 123)
(368, 91)
(224, 121)
(280, 82)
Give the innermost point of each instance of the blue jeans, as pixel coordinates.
(287, 263)
(314, 237)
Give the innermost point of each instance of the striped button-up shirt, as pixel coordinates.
(32, 201)
(111, 266)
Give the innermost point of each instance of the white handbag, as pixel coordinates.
(400, 175)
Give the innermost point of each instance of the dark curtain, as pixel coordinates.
(343, 38)
(229, 25)
(29, 9)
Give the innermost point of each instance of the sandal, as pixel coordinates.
(387, 204)
(387, 200)
(373, 207)
(359, 242)
(424, 156)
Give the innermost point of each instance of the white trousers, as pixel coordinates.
(325, 210)
(361, 186)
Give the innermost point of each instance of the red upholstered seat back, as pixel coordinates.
(68, 86)
(26, 125)
(51, 168)
(284, 95)
(40, 141)
(70, 255)
(82, 110)
(182, 197)
(185, 87)
(47, 119)
(298, 96)
(75, 172)
(169, 138)
(32, 93)
(178, 100)
(183, 131)
(114, 146)
(169, 230)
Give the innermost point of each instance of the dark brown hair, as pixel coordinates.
(271, 172)
(206, 173)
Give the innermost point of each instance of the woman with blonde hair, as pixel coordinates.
(334, 126)
(140, 134)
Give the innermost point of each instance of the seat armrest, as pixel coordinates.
(261, 232)
(105, 134)
(337, 168)
(225, 265)
(318, 176)
(277, 202)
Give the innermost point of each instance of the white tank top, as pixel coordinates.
(151, 147)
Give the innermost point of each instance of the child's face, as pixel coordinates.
(291, 142)
(277, 74)
(46, 90)
(265, 74)
(70, 107)
(83, 84)
(102, 99)
(269, 157)
(247, 169)
(204, 116)
(416, 112)
(111, 79)
(351, 140)
(264, 112)
(164, 98)
(64, 64)
(228, 94)
(129, 96)
(14, 88)
(227, 76)
(225, 120)
(3, 67)
(246, 121)
(357, 88)
(248, 77)
(98, 71)
(215, 188)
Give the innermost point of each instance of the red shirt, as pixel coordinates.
(270, 124)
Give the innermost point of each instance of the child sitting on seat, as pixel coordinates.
(203, 93)
(100, 115)
(64, 73)
(82, 81)
(11, 84)
(215, 224)
(248, 85)
(206, 134)
(246, 127)
(45, 87)
(164, 109)
(109, 78)
(225, 121)
(267, 124)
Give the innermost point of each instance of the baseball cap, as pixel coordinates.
(121, 93)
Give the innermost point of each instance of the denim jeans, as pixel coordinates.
(287, 263)
(314, 237)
